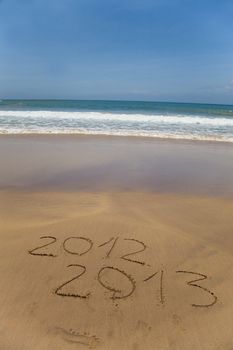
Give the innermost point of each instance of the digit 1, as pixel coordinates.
(112, 246)
(161, 293)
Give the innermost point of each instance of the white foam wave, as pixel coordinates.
(119, 117)
(158, 135)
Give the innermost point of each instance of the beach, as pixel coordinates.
(115, 242)
(116, 175)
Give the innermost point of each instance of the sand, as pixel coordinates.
(121, 269)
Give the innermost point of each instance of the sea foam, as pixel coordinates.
(119, 117)
(161, 120)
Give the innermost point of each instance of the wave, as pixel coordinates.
(119, 117)
(127, 133)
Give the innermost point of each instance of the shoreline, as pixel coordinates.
(107, 136)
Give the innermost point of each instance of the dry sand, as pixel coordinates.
(112, 303)
(144, 263)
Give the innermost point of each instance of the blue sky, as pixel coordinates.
(162, 50)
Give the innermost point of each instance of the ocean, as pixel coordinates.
(127, 118)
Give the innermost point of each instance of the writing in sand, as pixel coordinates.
(117, 281)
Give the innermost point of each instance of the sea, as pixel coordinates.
(189, 121)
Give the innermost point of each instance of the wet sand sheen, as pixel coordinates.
(110, 269)
(101, 163)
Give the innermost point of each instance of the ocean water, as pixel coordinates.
(150, 119)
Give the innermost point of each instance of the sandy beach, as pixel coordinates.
(115, 243)
(116, 175)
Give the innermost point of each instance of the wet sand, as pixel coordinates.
(103, 163)
(112, 243)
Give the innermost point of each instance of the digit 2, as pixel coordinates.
(126, 256)
(54, 239)
(72, 295)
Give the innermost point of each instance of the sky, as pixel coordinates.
(159, 50)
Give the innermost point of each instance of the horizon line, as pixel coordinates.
(112, 100)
